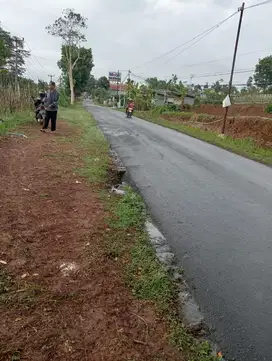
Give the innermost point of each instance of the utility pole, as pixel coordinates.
(241, 9)
(16, 62)
(129, 73)
(117, 89)
(51, 76)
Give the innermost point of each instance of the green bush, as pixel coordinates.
(64, 99)
(268, 109)
(165, 108)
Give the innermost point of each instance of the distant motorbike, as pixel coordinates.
(129, 112)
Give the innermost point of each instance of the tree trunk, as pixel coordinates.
(71, 83)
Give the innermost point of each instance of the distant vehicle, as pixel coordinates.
(129, 112)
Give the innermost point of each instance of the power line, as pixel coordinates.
(227, 57)
(259, 4)
(210, 31)
(187, 42)
(205, 75)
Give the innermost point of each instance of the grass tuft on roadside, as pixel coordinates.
(245, 147)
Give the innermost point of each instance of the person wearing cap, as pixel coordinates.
(51, 107)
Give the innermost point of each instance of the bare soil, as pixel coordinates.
(257, 110)
(240, 127)
(61, 297)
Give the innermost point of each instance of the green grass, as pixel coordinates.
(16, 120)
(126, 240)
(91, 140)
(245, 147)
(145, 275)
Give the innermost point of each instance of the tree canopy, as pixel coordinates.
(8, 52)
(103, 82)
(263, 73)
(69, 28)
(82, 69)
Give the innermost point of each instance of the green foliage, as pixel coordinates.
(64, 98)
(268, 109)
(103, 83)
(165, 108)
(130, 211)
(4, 53)
(92, 142)
(11, 122)
(69, 28)
(82, 69)
(263, 73)
(141, 94)
(8, 52)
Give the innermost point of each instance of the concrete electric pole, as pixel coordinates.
(233, 63)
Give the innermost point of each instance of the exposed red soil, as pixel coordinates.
(65, 299)
(257, 128)
(257, 110)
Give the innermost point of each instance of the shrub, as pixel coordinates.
(268, 109)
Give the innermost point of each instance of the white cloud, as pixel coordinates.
(124, 34)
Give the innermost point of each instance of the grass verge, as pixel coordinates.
(10, 123)
(127, 241)
(245, 147)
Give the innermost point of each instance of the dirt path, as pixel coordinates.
(61, 297)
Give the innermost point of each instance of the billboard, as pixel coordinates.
(115, 76)
(120, 87)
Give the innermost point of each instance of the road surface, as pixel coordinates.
(215, 209)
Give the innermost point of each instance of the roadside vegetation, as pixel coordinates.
(146, 277)
(121, 245)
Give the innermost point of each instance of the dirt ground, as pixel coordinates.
(61, 297)
(257, 128)
(257, 110)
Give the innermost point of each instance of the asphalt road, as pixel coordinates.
(215, 208)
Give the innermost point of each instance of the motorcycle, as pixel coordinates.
(39, 110)
(129, 112)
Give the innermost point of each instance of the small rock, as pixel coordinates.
(26, 189)
(118, 191)
(192, 316)
(78, 182)
(35, 274)
(3, 262)
(25, 275)
(167, 258)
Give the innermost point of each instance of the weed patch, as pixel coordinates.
(12, 122)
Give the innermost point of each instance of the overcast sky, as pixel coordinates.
(125, 34)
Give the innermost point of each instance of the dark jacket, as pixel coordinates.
(51, 101)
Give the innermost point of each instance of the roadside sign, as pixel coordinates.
(226, 102)
(115, 76)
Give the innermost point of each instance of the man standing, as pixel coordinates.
(51, 107)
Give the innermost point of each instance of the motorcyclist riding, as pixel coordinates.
(130, 105)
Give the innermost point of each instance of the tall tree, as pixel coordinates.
(69, 28)
(263, 73)
(82, 69)
(4, 53)
(14, 49)
(91, 84)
